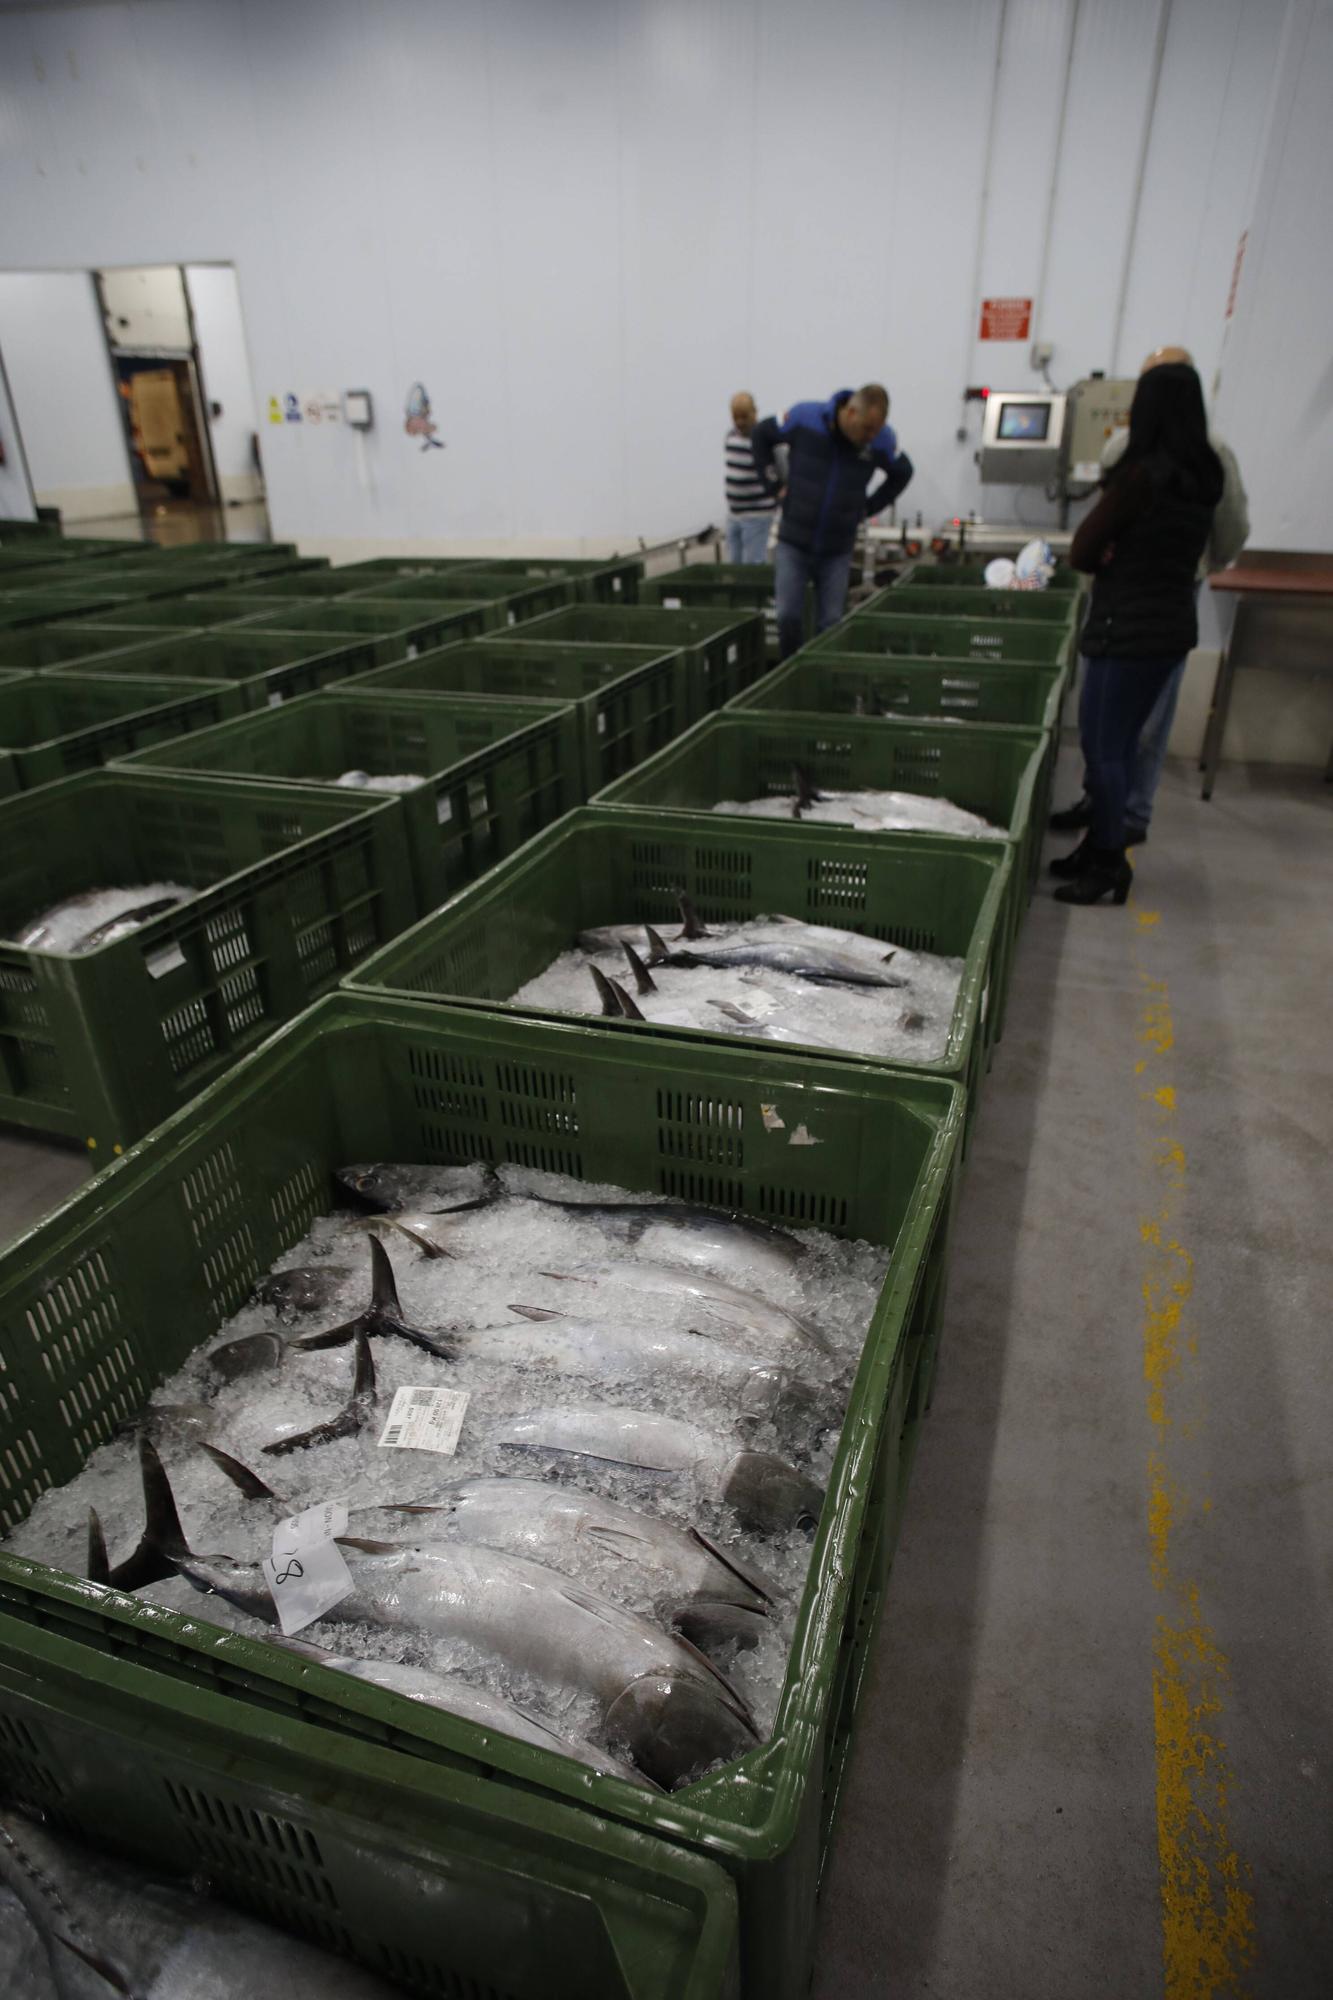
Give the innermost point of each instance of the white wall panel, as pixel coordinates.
(60, 379)
(583, 224)
(224, 366)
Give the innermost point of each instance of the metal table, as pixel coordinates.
(1283, 622)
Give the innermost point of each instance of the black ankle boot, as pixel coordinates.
(1073, 818)
(1070, 866)
(1106, 873)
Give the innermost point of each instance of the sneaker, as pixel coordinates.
(1073, 817)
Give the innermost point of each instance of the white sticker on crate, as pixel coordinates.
(425, 1420)
(165, 959)
(601, 722)
(733, 654)
(671, 604)
(275, 699)
(444, 809)
(305, 1572)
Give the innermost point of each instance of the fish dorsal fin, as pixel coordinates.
(97, 1568)
(408, 1229)
(643, 979)
(535, 1312)
(657, 951)
(628, 1005)
(162, 1524)
(249, 1483)
(605, 991)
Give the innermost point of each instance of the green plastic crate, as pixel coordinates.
(496, 772)
(269, 667)
(316, 583)
(428, 1872)
(1003, 639)
(926, 893)
(1059, 607)
(511, 599)
(297, 886)
(392, 630)
(858, 684)
(55, 725)
(726, 647)
(744, 586)
(598, 579)
(972, 576)
(39, 646)
(174, 614)
(126, 1279)
(990, 769)
(629, 700)
(39, 607)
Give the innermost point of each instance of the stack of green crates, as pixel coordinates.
(268, 667)
(494, 773)
(596, 579)
(628, 700)
(393, 630)
(294, 887)
(923, 892)
(54, 725)
(451, 1858)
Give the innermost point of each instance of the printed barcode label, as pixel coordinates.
(164, 960)
(422, 1419)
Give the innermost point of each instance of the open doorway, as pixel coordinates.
(177, 351)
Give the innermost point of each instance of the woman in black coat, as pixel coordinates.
(1142, 542)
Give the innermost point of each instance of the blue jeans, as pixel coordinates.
(1151, 754)
(1118, 697)
(794, 569)
(747, 537)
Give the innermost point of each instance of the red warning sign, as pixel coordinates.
(1006, 319)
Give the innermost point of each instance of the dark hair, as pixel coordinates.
(1168, 434)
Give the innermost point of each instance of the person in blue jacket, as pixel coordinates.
(836, 448)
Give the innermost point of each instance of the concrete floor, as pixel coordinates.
(1107, 1655)
(1106, 1661)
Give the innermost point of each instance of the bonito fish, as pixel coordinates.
(741, 1312)
(767, 1495)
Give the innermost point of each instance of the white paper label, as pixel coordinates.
(159, 963)
(306, 1573)
(275, 699)
(411, 652)
(601, 722)
(426, 1420)
(733, 654)
(616, 582)
(444, 809)
(671, 604)
(513, 618)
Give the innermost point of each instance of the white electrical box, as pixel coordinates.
(356, 408)
(1098, 408)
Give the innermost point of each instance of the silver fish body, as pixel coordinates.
(767, 1495)
(531, 1622)
(388, 1186)
(110, 1931)
(716, 1303)
(455, 1696)
(800, 958)
(607, 1352)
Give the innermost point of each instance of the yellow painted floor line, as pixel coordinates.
(1207, 1909)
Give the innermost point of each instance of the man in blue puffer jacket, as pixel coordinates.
(836, 447)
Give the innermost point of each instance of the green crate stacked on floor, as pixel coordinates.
(293, 887)
(268, 667)
(596, 579)
(742, 586)
(628, 700)
(494, 773)
(114, 1291)
(56, 725)
(512, 598)
(725, 647)
(144, 618)
(1006, 641)
(922, 892)
(740, 755)
(392, 630)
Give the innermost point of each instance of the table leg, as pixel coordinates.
(1217, 721)
(1206, 744)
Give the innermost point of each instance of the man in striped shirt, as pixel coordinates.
(751, 500)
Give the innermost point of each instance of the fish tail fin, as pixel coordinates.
(807, 793)
(748, 1577)
(643, 979)
(610, 1005)
(336, 1336)
(734, 1013)
(657, 951)
(692, 927)
(629, 1006)
(162, 1533)
(97, 1568)
(383, 1289)
(351, 1418)
(250, 1484)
